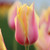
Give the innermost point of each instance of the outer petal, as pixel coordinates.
(37, 18)
(19, 32)
(32, 29)
(12, 14)
(2, 45)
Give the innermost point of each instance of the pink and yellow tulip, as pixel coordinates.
(2, 45)
(25, 25)
(43, 42)
(12, 13)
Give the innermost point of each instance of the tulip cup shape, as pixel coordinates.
(12, 13)
(26, 32)
(2, 44)
(43, 42)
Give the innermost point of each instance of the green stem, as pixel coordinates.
(26, 47)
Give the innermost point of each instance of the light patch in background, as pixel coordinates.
(38, 4)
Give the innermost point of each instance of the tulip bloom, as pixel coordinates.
(43, 42)
(25, 25)
(2, 45)
(12, 13)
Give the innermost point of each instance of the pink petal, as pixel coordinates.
(32, 29)
(12, 14)
(19, 34)
(11, 21)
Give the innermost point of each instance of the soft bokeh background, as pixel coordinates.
(8, 33)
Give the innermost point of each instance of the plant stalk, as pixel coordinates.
(26, 47)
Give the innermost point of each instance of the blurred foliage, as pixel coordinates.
(4, 7)
(9, 36)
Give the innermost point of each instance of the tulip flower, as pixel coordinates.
(12, 13)
(2, 44)
(43, 42)
(26, 32)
